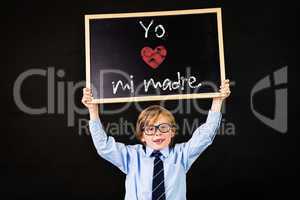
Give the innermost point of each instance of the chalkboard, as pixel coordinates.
(149, 56)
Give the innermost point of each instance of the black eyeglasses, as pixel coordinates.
(163, 128)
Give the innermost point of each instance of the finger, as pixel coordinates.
(225, 86)
(84, 103)
(87, 95)
(88, 92)
(226, 81)
(225, 91)
(87, 99)
(86, 89)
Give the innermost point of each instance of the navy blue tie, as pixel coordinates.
(158, 182)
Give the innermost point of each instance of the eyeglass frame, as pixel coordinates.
(157, 128)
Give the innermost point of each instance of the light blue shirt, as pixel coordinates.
(136, 163)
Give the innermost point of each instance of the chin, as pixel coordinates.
(156, 147)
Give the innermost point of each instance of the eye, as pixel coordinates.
(164, 127)
(150, 129)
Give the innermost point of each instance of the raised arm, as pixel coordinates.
(106, 146)
(205, 134)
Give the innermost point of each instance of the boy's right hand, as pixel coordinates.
(87, 99)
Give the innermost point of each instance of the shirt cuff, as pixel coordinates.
(95, 125)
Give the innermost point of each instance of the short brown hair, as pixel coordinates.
(150, 115)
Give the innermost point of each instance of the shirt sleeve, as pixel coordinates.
(106, 146)
(201, 139)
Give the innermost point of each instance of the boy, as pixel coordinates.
(155, 170)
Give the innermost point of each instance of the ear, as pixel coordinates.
(173, 133)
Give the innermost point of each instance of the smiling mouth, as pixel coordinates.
(158, 141)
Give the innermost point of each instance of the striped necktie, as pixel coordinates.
(158, 183)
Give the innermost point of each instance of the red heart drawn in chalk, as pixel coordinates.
(155, 57)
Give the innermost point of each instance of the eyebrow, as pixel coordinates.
(160, 124)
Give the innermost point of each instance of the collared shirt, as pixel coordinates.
(136, 162)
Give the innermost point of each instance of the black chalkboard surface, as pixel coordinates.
(154, 55)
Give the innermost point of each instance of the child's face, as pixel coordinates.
(154, 137)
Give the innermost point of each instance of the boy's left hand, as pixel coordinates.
(224, 90)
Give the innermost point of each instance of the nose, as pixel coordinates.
(157, 132)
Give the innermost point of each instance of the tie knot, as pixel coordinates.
(156, 154)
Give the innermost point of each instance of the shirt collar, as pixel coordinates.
(164, 151)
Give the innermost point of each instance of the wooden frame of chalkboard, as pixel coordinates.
(107, 20)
